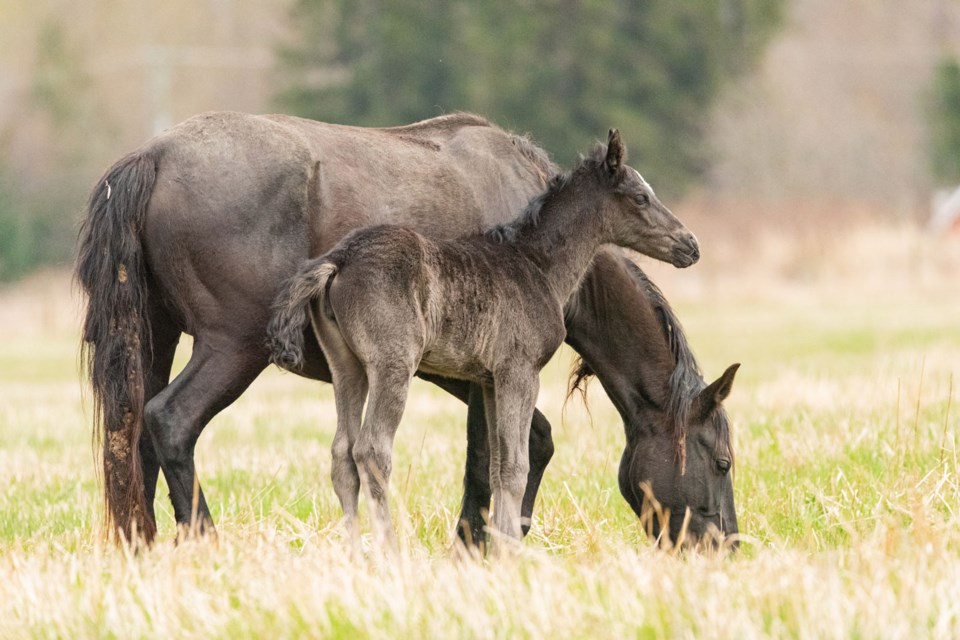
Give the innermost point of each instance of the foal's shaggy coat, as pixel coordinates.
(388, 301)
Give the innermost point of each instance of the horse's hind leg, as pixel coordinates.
(158, 356)
(215, 376)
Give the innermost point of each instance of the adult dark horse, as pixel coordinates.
(194, 233)
(670, 413)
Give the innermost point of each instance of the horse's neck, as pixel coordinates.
(564, 241)
(615, 328)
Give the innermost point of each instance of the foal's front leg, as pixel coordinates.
(513, 397)
(476, 480)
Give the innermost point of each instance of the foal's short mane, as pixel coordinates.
(686, 380)
(507, 232)
(530, 216)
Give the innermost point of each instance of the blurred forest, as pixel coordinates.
(563, 70)
(752, 108)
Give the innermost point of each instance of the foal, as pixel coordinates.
(387, 301)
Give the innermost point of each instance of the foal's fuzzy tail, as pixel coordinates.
(291, 312)
(116, 336)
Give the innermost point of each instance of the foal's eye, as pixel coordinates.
(643, 200)
(723, 466)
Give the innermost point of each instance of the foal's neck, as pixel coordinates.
(564, 241)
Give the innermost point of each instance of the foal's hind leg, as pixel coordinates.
(350, 391)
(373, 450)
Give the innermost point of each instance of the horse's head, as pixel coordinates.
(638, 219)
(679, 475)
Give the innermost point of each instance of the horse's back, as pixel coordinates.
(241, 200)
(442, 176)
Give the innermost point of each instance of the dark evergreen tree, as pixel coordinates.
(564, 70)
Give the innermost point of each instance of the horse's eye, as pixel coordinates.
(643, 200)
(723, 466)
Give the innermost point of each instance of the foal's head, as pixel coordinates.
(634, 215)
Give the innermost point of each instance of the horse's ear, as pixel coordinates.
(615, 150)
(716, 392)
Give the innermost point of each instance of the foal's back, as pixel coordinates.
(468, 304)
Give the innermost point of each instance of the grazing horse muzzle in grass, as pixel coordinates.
(387, 302)
(691, 502)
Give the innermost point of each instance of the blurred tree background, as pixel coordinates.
(564, 70)
(945, 122)
(36, 221)
(765, 115)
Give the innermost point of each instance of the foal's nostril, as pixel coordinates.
(686, 250)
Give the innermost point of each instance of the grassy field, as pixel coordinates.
(845, 421)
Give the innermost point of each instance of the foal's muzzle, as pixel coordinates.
(687, 251)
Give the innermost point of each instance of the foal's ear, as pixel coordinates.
(710, 398)
(615, 150)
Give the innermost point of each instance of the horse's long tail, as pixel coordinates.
(291, 311)
(116, 334)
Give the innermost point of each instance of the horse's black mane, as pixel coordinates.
(686, 380)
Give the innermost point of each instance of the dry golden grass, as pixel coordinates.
(846, 426)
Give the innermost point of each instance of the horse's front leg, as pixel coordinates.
(541, 451)
(509, 406)
(475, 507)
